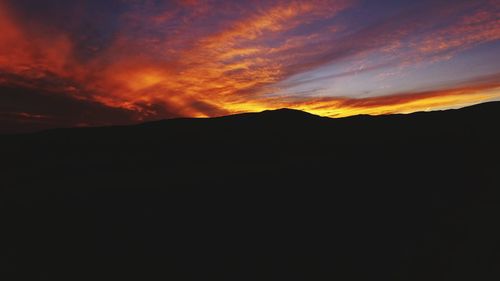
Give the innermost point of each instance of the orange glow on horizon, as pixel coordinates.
(396, 104)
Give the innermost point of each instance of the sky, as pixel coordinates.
(114, 62)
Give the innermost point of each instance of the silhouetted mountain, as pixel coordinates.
(277, 195)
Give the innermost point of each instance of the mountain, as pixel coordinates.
(277, 195)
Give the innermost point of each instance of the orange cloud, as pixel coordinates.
(232, 67)
(482, 26)
(226, 67)
(31, 52)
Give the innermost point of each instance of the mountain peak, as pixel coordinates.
(288, 112)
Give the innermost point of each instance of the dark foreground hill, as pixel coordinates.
(278, 195)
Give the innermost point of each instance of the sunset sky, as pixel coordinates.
(108, 62)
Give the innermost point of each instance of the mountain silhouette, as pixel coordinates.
(277, 195)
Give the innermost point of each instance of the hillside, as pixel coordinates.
(276, 195)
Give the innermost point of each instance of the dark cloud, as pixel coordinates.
(52, 102)
(27, 109)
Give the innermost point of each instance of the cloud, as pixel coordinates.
(409, 37)
(152, 59)
(26, 51)
(482, 89)
(27, 109)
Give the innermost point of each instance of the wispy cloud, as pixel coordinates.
(482, 90)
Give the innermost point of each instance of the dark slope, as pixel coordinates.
(277, 195)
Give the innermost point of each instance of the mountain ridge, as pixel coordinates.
(282, 113)
(404, 197)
